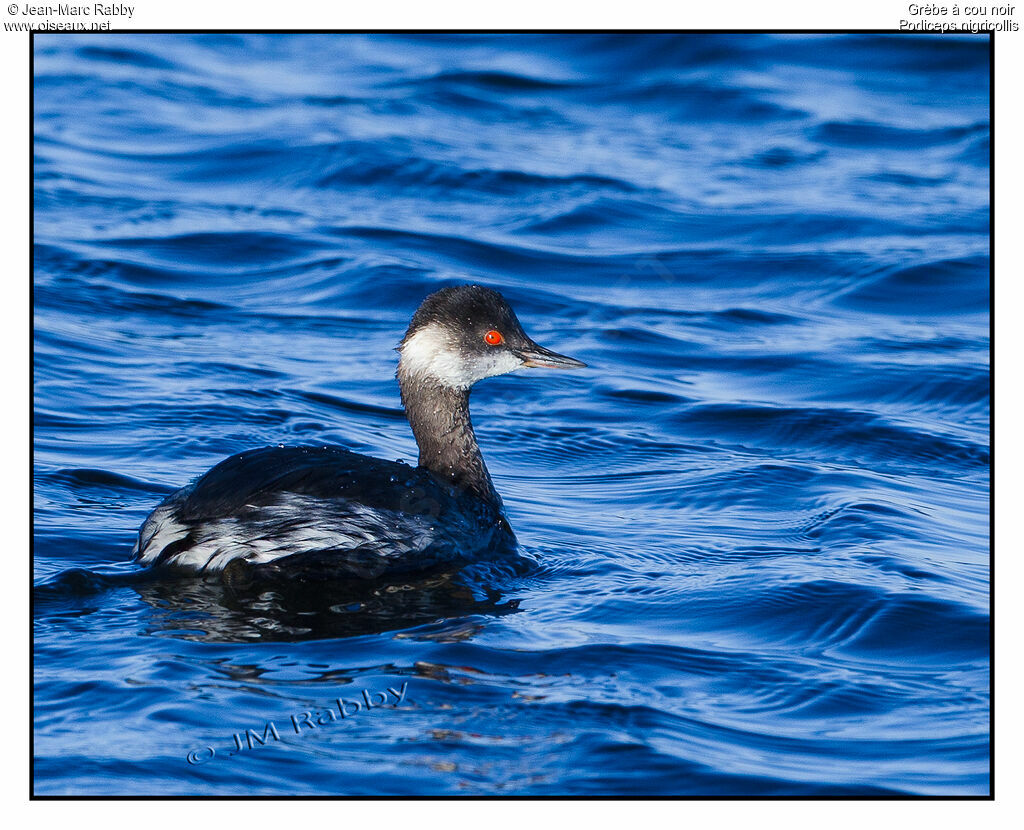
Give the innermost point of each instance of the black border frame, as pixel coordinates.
(513, 797)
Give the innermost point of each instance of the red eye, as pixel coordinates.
(493, 338)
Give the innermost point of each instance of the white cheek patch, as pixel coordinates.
(433, 353)
(500, 362)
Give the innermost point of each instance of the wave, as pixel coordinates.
(946, 286)
(875, 135)
(833, 433)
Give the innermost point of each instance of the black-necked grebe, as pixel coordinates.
(352, 515)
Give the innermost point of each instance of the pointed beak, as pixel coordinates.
(534, 356)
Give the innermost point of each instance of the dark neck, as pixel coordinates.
(439, 417)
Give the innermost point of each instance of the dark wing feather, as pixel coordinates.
(256, 477)
(321, 504)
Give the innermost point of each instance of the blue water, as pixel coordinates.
(754, 534)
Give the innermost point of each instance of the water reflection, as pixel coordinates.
(253, 606)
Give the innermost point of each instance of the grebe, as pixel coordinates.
(350, 515)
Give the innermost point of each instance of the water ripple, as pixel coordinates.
(754, 535)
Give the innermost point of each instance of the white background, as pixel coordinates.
(15, 446)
